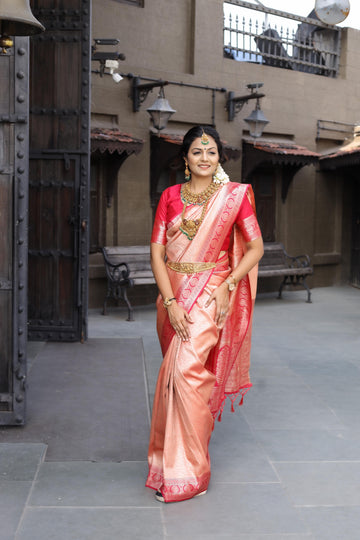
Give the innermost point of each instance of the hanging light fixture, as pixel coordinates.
(160, 111)
(256, 121)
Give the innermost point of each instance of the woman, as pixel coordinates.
(204, 243)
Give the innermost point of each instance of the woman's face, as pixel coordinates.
(203, 159)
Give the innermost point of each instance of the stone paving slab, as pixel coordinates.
(80, 483)
(76, 486)
(232, 508)
(236, 455)
(333, 523)
(20, 461)
(241, 536)
(13, 497)
(87, 401)
(310, 444)
(277, 404)
(19, 465)
(321, 483)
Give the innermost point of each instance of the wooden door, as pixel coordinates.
(54, 236)
(59, 171)
(263, 183)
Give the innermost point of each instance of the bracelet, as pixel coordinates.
(231, 284)
(167, 302)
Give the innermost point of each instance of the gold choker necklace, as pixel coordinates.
(187, 196)
(190, 227)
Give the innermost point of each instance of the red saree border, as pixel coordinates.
(176, 489)
(230, 358)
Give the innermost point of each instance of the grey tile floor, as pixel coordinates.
(285, 466)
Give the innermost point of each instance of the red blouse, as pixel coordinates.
(170, 206)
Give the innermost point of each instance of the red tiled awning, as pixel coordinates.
(281, 152)
(172, 138)
(346, 156)
(289, 156)
(114, 141)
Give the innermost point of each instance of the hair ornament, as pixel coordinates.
(220, 176)
(204, 139)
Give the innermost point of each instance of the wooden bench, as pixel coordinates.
(125, 267)
(276, 262)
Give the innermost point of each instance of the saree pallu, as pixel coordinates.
(197, 375)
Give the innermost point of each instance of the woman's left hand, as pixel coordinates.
(221, 298)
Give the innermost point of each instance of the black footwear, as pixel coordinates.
(159, 496)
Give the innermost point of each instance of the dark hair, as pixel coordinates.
(196, 132)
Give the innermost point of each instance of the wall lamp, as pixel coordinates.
(256, 120)
(161, 110)
(107, 59)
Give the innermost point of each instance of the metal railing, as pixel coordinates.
(254, 33)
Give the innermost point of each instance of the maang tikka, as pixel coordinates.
(204, 139)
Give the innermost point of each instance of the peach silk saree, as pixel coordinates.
(196, 376)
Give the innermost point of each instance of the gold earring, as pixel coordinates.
(187, 172)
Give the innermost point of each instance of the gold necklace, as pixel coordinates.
(190, 227)
(187, 196)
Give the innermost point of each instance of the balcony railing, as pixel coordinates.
(254, 33)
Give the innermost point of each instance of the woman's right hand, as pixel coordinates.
(179, 320)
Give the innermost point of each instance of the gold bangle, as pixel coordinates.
(167, 302)
(231, 284)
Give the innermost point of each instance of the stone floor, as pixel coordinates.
(285, 466)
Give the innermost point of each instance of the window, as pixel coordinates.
(139, 3)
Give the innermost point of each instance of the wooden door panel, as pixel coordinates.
(263, 184)
(5, 345)
(59, 170)
(53, 244)
(42, 92)
(57, 59)
(56, 102)
(6, 224)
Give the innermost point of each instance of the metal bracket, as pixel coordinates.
(5, 284)
(141, 91)
(6, 398)
(235, 104)
(13, 119)
(7, 170)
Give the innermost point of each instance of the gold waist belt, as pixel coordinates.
(190, 268)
